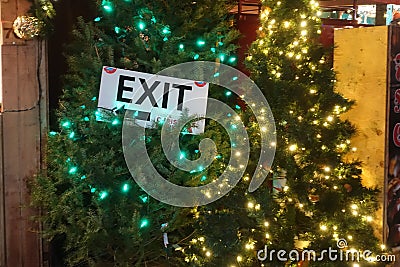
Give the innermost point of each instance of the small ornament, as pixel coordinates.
(348, 188)
(27, 27)
(279, 182)
(313, 198)
(165, 235)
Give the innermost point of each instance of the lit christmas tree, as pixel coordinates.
(315, 198)
(94, 209)
(323, 199)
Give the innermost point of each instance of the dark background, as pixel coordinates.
(66, 16)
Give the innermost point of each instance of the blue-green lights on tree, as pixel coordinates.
(125, 187)
(73, 170)
(166, 30)
(232, 59)
(144, 198)
(103, 195)
(141, 25)
(196, 57)
(115, 122)
(66, 124)
(107, 6)
(228, 93)
(200, 43)
(144, 223)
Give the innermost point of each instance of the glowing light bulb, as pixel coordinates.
(73, 170)
(144, 223)
(200, 43)
(286, 24)
(103, 195)
(293, 147)
(125, 188)
(323, 227)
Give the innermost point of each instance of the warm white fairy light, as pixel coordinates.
(303, 24)
(293, 147)
(335, 236)
(250, 205)
(286, 24)
(286, 188)
(327, 169)
(323, 227)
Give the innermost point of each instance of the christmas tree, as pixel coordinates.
(314, 198)
(93, 209)
(324, 200)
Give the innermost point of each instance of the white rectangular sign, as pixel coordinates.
(153, 97)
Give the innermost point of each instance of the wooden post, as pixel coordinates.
(23, 121)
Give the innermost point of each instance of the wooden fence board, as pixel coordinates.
(22, 126)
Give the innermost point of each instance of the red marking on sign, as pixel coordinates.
(200, 84)
(110, 70)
